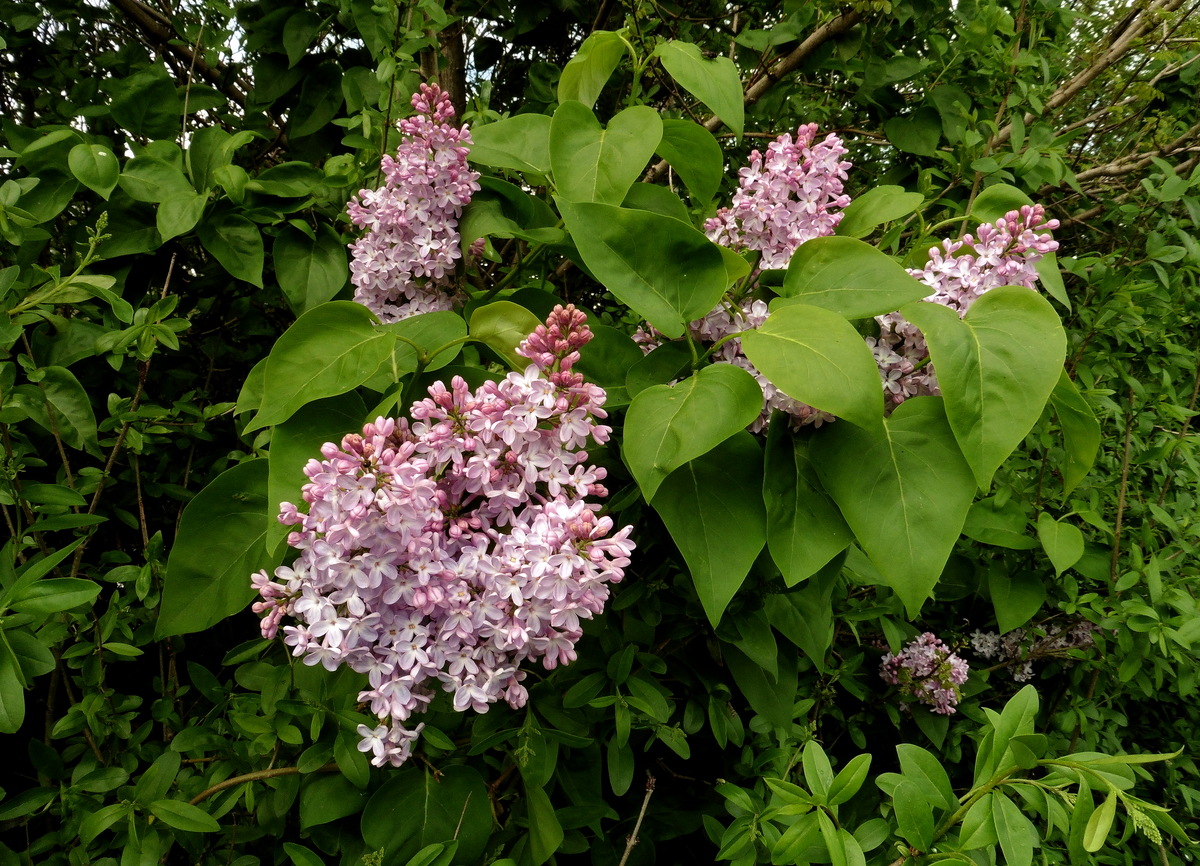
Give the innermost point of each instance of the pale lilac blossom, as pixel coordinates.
(452, 548)
(404, 264)
(927, 671)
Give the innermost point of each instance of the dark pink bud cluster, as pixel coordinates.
(404, 264)
(450, 550)
(927, 671)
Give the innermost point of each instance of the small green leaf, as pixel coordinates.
(996, 369)
(1013, 831)
(914, 466)
(310, 270)
(695, 154)
(1080, 429)
(236, 243)
(520, 142)
(1063, 542)
(96, 167)
(329, 350)
(1016, 597)
(715, 82)
(1100, 823)
(179, 213)
(876, 206)
(184, 816)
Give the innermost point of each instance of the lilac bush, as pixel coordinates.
(404, 263)
(451, 549)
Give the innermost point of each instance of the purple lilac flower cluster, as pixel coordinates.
(1010, 651)
(450, 550)
(401, 267)
(785, 197)
(1004, 253)
(926, 670)
(790, 195)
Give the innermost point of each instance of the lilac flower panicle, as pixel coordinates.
(1010, 649)
(449, 550)
(786, 196)
(1003, 253)
(927, 671)
(404, 263)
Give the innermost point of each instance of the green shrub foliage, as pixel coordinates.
(871, 484)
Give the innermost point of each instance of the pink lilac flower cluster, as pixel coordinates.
(785, 197)
(403, 265)
(1010, 650)
(927, 671)
(1004, 253)
(449, 550)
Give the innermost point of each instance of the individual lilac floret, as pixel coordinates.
(784, 198)
(454, 548)
(404, 263)
(1004, 253)
(927, 671)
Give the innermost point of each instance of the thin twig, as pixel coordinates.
(256, 776)
(633, 837)
(1116, 551)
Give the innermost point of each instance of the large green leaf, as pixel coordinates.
(817, 357)
(695, 154)
(179, 213)
(60, 405)
(95, 166)
(147, 104)
(849, 277)
(503, 326)
(877, 205)
(310, 270)
(585, 74)
(904, 490)
(1062, 541)
(236, 243)
(1015, 597)
(151, 178)
(594, 163)
(295, 442)
(996, 368)
(521, 142)
(221, 542)
(328, 351)
(1080, 429)
(545, 831)
(715, 514)
(715, 82)
(805, 530)
(1014, 831)
(668, 425)
(665, 270)
(415, 808)
(12, 689)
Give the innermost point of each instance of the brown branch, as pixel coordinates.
(633, 837)
(159, 29)
(1122, 41)
(756, 89)
(256, 776)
